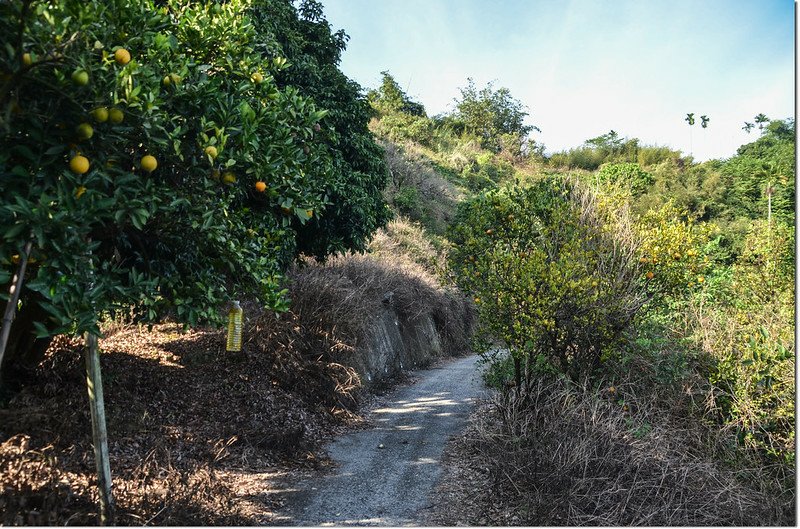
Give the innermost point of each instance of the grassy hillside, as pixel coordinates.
(643, 297)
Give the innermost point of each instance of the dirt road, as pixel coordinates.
(384, 475)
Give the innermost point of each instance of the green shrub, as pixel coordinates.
(400, 127)
(554, 271)
(498, 370)
(653, 155)
(629, 175)
(580, 158)
(748, 332)
(486, 172)
(407, 201)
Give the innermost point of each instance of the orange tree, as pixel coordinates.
(299, 32)
(153, 161)
(676, 252)
(555, 274)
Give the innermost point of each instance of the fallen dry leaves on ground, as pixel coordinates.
(182, 413)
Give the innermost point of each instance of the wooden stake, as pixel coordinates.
(13, 299)
(94, 383)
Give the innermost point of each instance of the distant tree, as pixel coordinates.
(690, 120)
(704, 121)
(761, 176)
(748, 127)
(611, 147)
(761, 119)
(610, 141)
(391, 98)
(490, 113)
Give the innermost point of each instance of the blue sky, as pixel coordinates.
(584, 67)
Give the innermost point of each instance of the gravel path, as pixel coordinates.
(384, 475)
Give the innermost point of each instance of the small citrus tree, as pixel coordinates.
(674, 252)
(554, 272)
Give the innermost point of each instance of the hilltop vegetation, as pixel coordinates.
(630, 278)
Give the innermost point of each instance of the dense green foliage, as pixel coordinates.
(611, 148)
(196, 230)
(355, 209)
(628, 175)
(494, 116)
(766, 163)
(400, 118)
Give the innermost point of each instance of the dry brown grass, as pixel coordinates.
(574, 456)
(179, 410)
(436, 198)
(403, 242)
(345, 295)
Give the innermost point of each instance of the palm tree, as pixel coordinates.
(690, 120)
(761, 119)
(704, 121)
(748, 127)
(769, 191)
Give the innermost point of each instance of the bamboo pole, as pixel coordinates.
(94, 383)
(13, 299)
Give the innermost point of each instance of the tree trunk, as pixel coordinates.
(24, 350)
(518, 373)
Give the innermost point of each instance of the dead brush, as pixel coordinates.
(174, 494)
(302, 355)
(565, 455)
(339, 300)
(407, 240)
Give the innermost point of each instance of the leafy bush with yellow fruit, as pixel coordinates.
(132, 135)
(554, 271)
(673, 251)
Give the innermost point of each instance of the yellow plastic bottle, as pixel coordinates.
(235, 327)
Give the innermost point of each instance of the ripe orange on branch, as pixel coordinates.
(79, 164)
(148, 163)
(122, 56)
